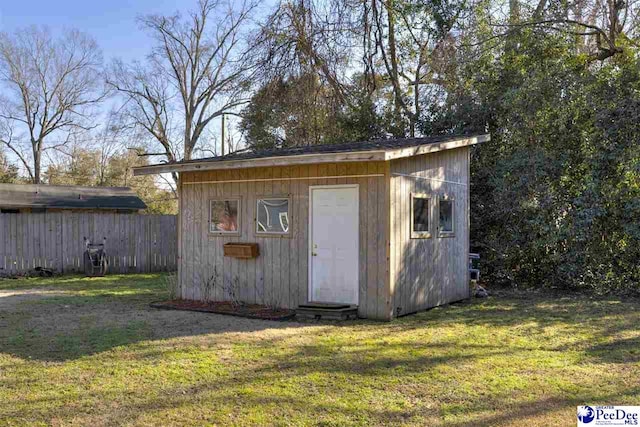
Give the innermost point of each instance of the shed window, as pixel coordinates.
(224, 216)
(272, 216)
(420, 221)
(446, 212)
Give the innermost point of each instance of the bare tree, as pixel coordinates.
(411, 41)
(51, 85)
(197, 72)
(110, 141)
(400, 44)
(149, 105)
(303, 37)
(601, 28)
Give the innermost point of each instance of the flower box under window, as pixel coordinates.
(241, 250)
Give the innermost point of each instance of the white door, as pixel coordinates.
(333, 244)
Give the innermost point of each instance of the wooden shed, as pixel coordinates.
(380, 225)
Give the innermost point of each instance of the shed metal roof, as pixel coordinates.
(68, 197)
(381, 149)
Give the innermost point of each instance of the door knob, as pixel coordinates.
(314, 254)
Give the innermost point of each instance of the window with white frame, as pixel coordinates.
(273, 215)
(224, 216)
(420, 216)
(446, 220)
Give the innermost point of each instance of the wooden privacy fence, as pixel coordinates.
(135, 243)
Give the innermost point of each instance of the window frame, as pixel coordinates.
(451, 233)
(421, 234)
(238, 232)
(284, 234)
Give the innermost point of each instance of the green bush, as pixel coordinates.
(556, 193)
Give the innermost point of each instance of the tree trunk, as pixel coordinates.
(391, 22)
(514, 19)
(187, 149)
(37, 157)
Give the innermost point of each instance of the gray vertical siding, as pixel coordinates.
(433, 271)
(279, 276)
(397, 274)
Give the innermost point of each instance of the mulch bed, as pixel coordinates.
(252, 311)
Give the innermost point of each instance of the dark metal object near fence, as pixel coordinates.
(95, 258)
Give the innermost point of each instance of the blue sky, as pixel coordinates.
(111, 22)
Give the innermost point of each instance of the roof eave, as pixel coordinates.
(352, 156)
(314, 158)
(417, 150)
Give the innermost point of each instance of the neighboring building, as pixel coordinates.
(382, 225)
(21, 198)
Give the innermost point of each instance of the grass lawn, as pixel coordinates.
(77, 351)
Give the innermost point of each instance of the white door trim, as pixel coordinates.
(310, 235)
